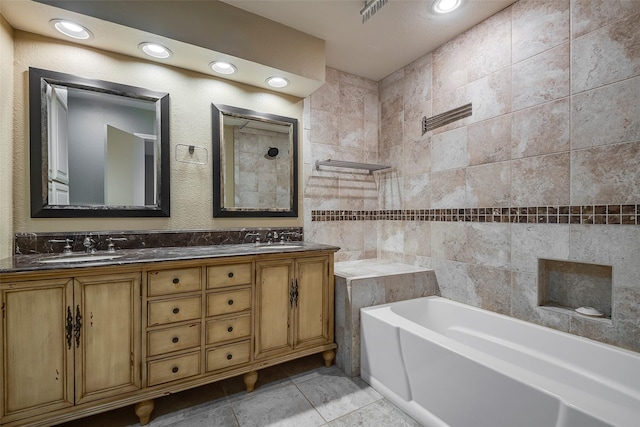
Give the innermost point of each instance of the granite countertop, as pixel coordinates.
(34, 262)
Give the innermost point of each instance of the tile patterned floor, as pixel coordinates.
(302, 393)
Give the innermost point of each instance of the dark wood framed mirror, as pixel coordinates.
(255, 163)
(97, 148)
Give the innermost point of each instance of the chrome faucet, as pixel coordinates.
(290, 234)
(88, 245)
(256, 241)
(67, 247)
(111, 247)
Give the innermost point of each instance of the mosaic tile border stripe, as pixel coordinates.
(587, 214)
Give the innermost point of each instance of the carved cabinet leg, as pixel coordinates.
(328, 357)
(250, 379)
(144, 410)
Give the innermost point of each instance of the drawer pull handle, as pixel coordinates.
(176, 310)
(230, 302)
(176, 280)
(175, 340)
(175, 369)
(230, 329)
(231, 274)
(229, 356)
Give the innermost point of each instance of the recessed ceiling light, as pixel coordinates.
(154, 49)
(71, 29)
(277, 81)
(223, 67)
(446, 6)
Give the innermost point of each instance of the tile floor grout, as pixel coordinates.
(301, 393)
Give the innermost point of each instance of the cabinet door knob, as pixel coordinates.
(175, 369)
(176, 280)
(175, 340)
(176, 310)
(230, 329)
(230, 274)
(229, 356)
(230, 302)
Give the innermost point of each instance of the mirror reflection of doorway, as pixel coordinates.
(129, 158)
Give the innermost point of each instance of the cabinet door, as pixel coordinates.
(38, 358)
(108, 349)
(274, 280)
(312, 309)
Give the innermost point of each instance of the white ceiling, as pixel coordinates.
(399, 33)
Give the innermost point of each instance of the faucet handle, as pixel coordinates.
(111, 247)
(67, 247)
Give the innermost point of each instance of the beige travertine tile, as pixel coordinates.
(417, 80)
(448, 189)
(391, 236)
(391, 192)
(448, 101)
(615, 245)
(391, 131)
(538, 26)
(489, 244)
(450, 66)
(540, 181)
(524, 303)
(353, 80)
(324, 127)
(417, 191)
(541, 78)
(371, 106)
(589, 15)
(449, 150)
(607, 174)
(490, 140)
(607, 55)
(490, 96)
(607, 115)
(543, 129)
(452, 279)
(490, 288)
(449, 241)
(489, 185)
(326, 97)
(413, 114)
(391, 90)
(417, 156)
(489, 46)
(532, 241)
(626, 305)
(417, 238)
(351, 101)
(351, 132)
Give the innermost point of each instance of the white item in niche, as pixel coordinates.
(589, 311)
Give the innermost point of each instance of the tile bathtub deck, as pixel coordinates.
(302, 393)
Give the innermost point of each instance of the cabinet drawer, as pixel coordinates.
(228, 355)
(166, 282)
(229, 275)
(175, 310)
(220, 330)
(176, 368)
(173, 339)
(228, 302)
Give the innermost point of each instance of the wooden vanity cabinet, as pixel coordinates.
(294, 305)
(69, 341)
(81, 341)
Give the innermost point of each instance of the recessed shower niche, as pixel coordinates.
(575, 286)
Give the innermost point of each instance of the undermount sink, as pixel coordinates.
(277, 246)
(80, 258)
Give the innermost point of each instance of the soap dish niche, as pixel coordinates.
(581, 288)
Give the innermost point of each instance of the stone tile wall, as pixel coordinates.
(556, 125)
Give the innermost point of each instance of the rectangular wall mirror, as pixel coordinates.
(255, 164)
(98, 149)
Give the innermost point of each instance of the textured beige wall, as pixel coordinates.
(6, 147)
(191, 96)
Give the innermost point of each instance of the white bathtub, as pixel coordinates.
(450, 364)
